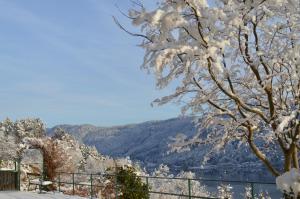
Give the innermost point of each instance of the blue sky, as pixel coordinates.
(65, 61)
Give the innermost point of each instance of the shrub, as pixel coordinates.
(130, 185)
(54, 156)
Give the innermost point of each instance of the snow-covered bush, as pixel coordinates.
(55, 157)
(248, 192)
(93, 161)
(263, 195)
(178, 186)
(289, 183)
(224, 191)
(33, 128)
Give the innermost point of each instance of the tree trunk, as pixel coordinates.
(287, 160)
(295, 158)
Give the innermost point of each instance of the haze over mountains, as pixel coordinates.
(148, 142)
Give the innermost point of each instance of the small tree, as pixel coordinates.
(236, 65)
(130, 185)
(54, 156)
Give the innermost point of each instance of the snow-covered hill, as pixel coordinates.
(148, 143)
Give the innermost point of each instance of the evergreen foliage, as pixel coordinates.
(130, 185)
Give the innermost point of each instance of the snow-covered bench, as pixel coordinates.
(35, 179)
(84, 183)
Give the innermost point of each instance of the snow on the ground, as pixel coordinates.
(30, 195)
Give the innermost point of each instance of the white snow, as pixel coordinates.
(289, 181)
(5, 169)
(30, 195)
(285, 120)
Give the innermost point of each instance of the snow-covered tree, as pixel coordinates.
(8, 142)
(13, 133)
(236, 66)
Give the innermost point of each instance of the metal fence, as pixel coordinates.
(93, 183)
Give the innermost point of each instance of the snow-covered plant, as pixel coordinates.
(236, 66)
(179, 186)
(123, 162)
(13, 133)
(289, 183)
(248, 192)
(8, 145)
(55, 158)
(93, 161)
(261, 195)
(224, 191)
(33, 128)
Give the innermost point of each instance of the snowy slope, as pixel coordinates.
(148, 143)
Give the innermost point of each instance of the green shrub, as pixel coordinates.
(130, 185)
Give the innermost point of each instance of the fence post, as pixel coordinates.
(58, 182)
(73, 183)
(19, 175)
(91, 178)
(116, 186)
(189, 187)
(252, 190)
(147, 181)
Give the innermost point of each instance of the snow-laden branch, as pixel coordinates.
(236, 65)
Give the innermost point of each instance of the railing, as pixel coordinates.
(88, 180)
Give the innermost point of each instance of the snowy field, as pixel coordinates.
(30, 195)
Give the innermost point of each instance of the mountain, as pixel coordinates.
(148, 142)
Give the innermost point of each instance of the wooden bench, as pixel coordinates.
(36, 179)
